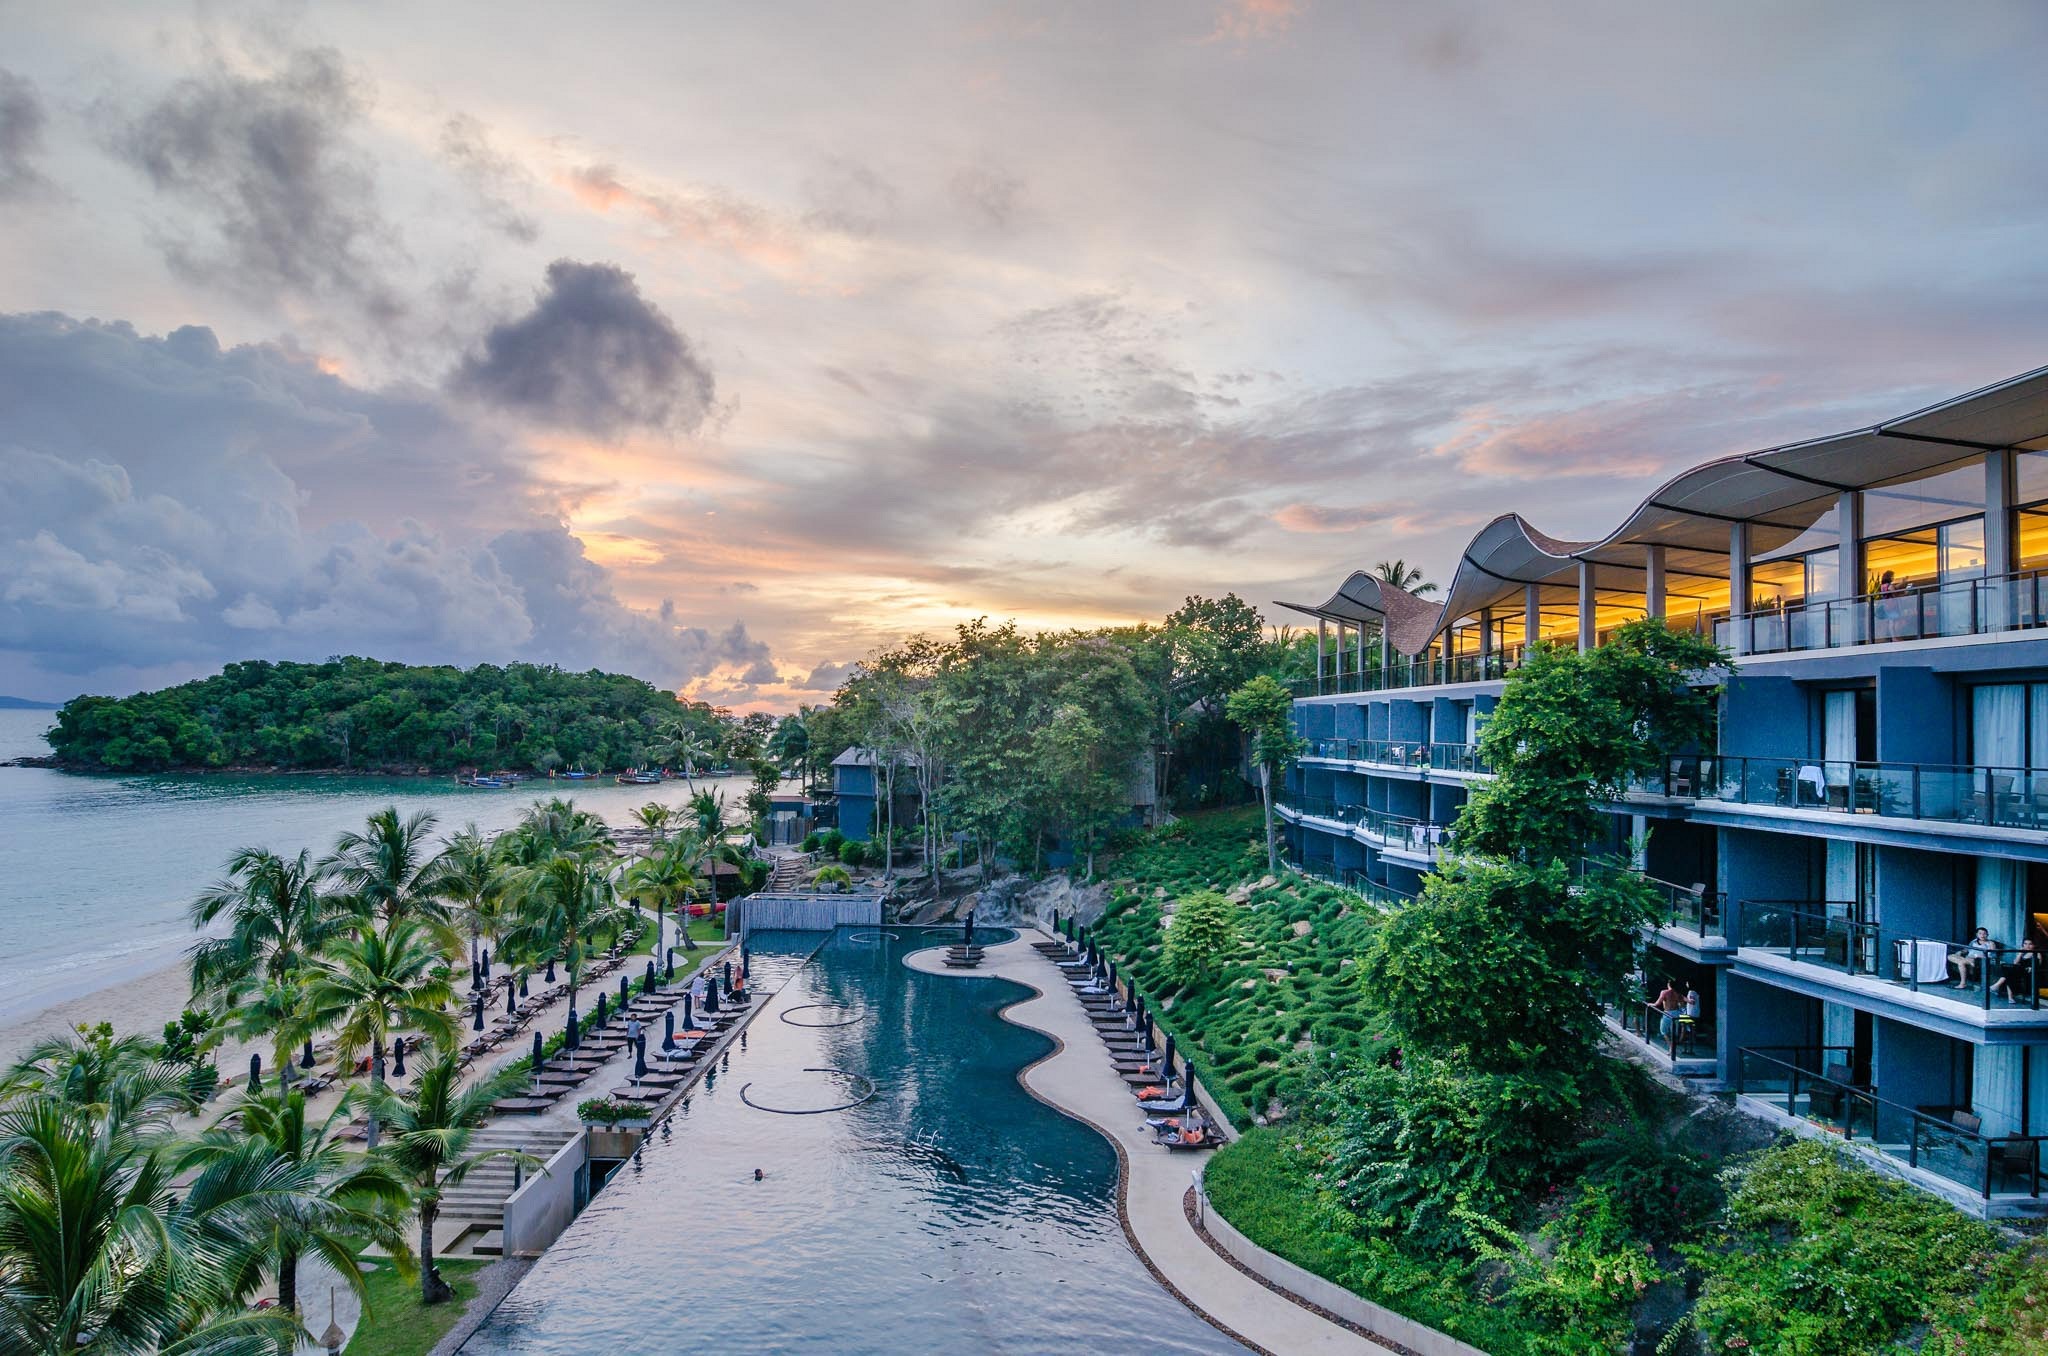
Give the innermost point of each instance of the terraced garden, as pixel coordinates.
(1290, 988)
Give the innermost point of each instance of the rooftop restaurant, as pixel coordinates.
(1930, 526)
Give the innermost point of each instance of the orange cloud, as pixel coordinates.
(699, 217)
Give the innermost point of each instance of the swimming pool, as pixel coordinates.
(949, 1211)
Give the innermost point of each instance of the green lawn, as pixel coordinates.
(395, 1322)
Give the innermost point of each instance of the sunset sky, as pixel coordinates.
(723, 343)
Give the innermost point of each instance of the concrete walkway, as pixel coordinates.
(1077, 1079)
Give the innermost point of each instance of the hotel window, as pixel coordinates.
(2009, 725)
(1925, 531)
(1808, 565)
(2030, 518)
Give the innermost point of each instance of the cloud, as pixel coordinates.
(167, 505)
(593, 355)
(491, 176)
(22, 120)
(707, 217)
(829, 677)
(1245, 21)
(274, 194)
(988, 198)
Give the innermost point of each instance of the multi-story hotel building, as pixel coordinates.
(1878, 794)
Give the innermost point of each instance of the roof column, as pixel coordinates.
(1444, 658)
(1653, 578)
(1485, 632)
(2000, 559)
(1359, 662)
(1738, 585)
(1386, 657)
(1532, 614)
(1589, 620)
(1322, 643)
(1849, 554)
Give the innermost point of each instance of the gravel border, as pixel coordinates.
(493, 1283)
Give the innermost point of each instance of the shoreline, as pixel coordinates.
(137, 997)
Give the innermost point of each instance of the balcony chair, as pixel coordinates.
(2019, 1158)
(1831, 1099)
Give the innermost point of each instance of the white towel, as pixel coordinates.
(1930, 962)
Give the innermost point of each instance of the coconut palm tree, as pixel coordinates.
(669, 878)
(278, 1011)
(277, 919)
(1404, 576)
(103, 1256)
(375, 985)
(386, 874)
(556, 906)
(790, 745)
(340, 1200)
(470, 876)
(655, 816)
(689, 747)
(551, 828)
(431, 1128)
(113, 1079)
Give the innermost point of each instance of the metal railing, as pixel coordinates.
(1467, 668)
(1963, 607)
(1816, 1085)
(1401, 833)
(1952, 793)
(1356, 881)
(1401, 753)
(1687, 906)
(1957, 972)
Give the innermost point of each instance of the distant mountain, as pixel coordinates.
(24, 704)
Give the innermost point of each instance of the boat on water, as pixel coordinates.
(578, 775)
(632, 777)
(482, 783)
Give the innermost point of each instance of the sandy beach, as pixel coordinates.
(141, 1003)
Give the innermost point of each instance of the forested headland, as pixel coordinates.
(367, 715)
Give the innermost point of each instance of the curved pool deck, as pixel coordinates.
(1153, 1182)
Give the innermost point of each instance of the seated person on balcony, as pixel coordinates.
(2021, 975)
(1692, 1002)
(1970, 960)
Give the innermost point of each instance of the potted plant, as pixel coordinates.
(613, 1127)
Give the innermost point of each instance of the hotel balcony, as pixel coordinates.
(1400, 756)
(1326, 870)
(1928, 608)
(1941, 1149)
(1933, 805)
(1404, 838)
(1801, 945)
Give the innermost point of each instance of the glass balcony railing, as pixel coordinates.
(1400, 833)
(1351, 878)
(1963, 607)
(1693, 907)
(1403, 753)
(1999, 797)
(1468, 668)
(1809, 933)
(1817, 1084)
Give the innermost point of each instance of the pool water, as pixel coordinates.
(950, 1211)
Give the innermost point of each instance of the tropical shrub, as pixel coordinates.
(1202, 936)
(832, 875)
(605, 1111)
(853, 852)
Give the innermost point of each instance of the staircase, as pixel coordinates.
(789, 872)
(479, 1199)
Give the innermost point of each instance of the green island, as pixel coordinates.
(353, 714)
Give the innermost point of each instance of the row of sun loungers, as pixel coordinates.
(1161, 1090)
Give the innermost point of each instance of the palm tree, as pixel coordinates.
(688, 746)
(655, 817)
(113, 1079)
(1404, 576)
(278, 1010)
(556, 906)
(386, 874)
(470, 875)
(791, 742)
(341, 1200)
(707, 815)
(375, 985)
(431, 1127)
(668, 879)
(552, 828)
(277, 919)
(102, 1255)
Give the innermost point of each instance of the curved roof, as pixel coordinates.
(1779, 490)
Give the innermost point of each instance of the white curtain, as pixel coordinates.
(1840, 884)
(1838, 737)
(1837, 1027)
(1472, 723)
(2037, 1091)
(2000, 906)
(1998, 725)
(1995, 1088)
(2037, 727)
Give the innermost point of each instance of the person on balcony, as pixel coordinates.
(1969, 961)
(1670, 1002)
(2021, 977)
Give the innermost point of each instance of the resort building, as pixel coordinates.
(1878, 795)
(859, 783)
